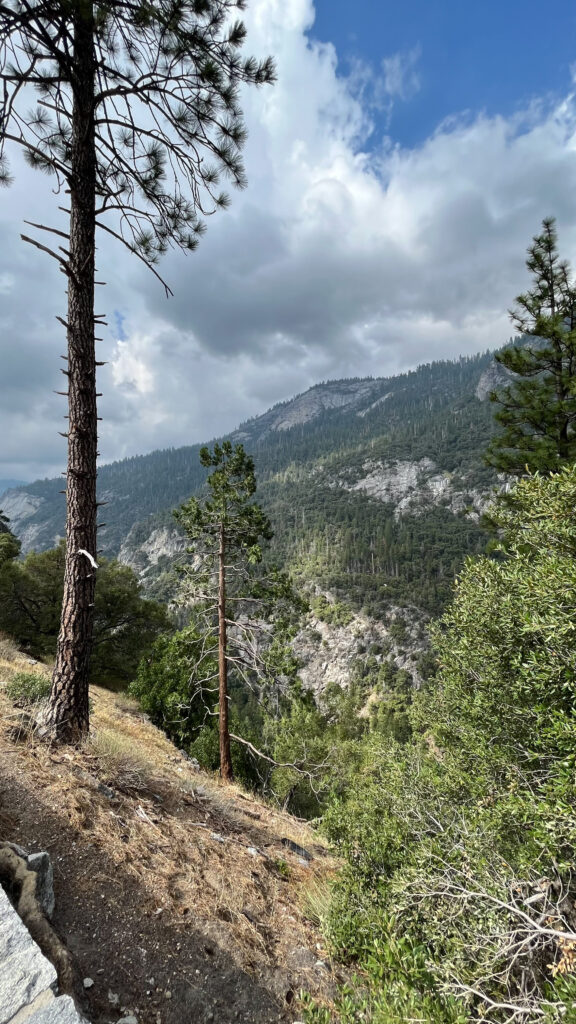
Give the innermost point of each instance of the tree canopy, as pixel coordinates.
(537, 410)
(125, 623)
(137, 118)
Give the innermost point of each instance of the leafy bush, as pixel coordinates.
(460, 844)
(125, 623)
(334, 613)
(28, 688)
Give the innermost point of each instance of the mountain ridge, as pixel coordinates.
(362, 477)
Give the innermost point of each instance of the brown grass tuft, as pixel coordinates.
(122, 765)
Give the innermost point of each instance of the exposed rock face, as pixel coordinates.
(28, 982)
(20, 506)
(325, 396)
(494, 377)
(393, 481)
(329, 654)
(338, 394)
(142, 555)
(374, 405)
(412, 487)
(25, 974)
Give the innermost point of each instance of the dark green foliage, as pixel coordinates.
(247, 608)
(168, 683)
(173, 686)
(334, 613)
(9, 545)
(461, 842)
(538, 410)
(231, 485)
(126, 624)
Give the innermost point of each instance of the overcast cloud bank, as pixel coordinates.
(346, 256)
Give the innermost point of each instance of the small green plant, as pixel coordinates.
(282, 867)
(28, 688)
(313, 1012)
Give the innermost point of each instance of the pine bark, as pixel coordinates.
(226, 772)
(67, 719)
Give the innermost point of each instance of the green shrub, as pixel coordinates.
(335, 614)
(28, 688)
(461, 841)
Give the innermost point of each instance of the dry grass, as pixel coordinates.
(120, 764)
(22, 680)
(13, 661)
(8, 650)
(127, 704)
(316, 898)
(199, 850)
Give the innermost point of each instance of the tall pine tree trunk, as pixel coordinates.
(67, 717)
(226, 772)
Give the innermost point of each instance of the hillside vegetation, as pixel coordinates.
(179, 899)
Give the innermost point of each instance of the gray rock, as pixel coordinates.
(130, 1019)
(25, 972)
(42, 865)
(88, 983)
(302, 958)
(57, 1011)
(295, 848)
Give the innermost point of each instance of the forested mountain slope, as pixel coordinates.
(373, 485)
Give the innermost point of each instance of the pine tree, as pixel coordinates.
(538, 409)
(226, 530)
(137, 119)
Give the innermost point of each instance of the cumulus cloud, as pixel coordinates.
(345, 256)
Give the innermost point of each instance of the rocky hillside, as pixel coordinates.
(374, 487)
(337, 653)
(178, 899)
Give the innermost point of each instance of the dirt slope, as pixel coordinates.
(176, 896)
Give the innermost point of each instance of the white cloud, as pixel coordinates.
(338, 260)
(401, 78)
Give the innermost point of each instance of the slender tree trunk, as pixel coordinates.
(67, 718)
(226, 772)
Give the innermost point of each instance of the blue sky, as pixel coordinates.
(472, 56)
(351, 253)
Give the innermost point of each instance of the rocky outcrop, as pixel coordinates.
(494, 377)
(413, 487)
(28, 980)
(26, 976)
(325, 396)
(142, 555)
(339, 394)
(330, 653)
(20, 506)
